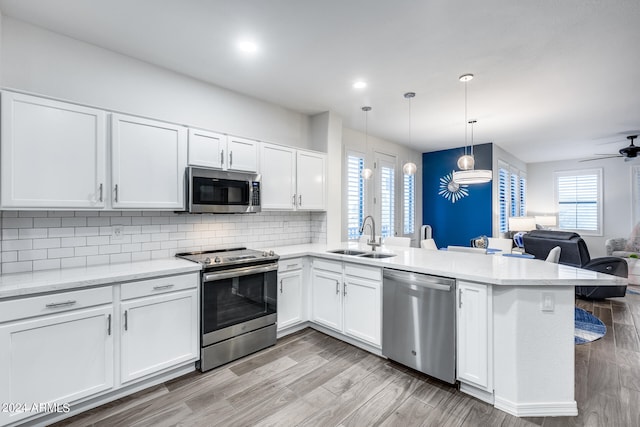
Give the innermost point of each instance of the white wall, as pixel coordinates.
(46, 63)
(617, 194)
(355, 140)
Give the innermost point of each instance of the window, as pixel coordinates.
(579, 200)
(409, 201)
(512, 194)
(355, 195)
(503, 191)
(387, 199)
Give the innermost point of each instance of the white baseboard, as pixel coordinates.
(478, 393)
(537, 409)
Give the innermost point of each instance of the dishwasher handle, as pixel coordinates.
(422, 280)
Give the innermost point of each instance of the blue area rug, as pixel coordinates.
(587, 327)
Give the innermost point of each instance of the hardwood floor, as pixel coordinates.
(310, 379)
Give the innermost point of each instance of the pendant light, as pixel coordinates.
(466, 163)
(366, 173)
(409, 168)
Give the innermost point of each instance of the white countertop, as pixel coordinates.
(20, 284)
(493, 269)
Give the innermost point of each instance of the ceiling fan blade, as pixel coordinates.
(599, 158)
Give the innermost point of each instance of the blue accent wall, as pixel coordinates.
(456, 223)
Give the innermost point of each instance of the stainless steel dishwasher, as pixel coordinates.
(419, 322)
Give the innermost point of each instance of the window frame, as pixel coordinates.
(411, 202)
(362, 183)
(515, 194)
(600, 198)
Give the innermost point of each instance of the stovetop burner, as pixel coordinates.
(223, 257)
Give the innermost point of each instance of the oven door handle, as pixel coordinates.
(236, 272)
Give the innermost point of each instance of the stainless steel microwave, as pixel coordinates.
(218, 191)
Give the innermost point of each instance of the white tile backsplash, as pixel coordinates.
(39, 240)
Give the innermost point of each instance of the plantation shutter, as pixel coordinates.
(503, 177)
(387, 204)
(578, 200)
(409, 203)
(355, 195)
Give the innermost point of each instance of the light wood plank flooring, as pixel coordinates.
(310, 379)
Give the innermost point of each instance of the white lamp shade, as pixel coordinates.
(546, 220)
(409, 168)
(522, 223)
(466, 162)
(473, 176)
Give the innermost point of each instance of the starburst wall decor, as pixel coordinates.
(452, 191)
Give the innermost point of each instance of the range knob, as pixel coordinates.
(265, 253)
(271, 253)
(207, 261)
(217, 260)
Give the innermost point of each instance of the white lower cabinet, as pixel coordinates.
(291, 307)
(157, 333)
(348, 298)
(326, 297)
(57, 351)
(61, 348)
(474, 335)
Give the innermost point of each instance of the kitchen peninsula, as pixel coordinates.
(515, 341)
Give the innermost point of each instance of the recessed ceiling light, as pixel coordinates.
(360, 84)
(247, 46)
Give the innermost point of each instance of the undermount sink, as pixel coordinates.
(377, 255)
(347, 252)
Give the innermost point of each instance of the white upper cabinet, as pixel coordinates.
(206, 149)
(292, 179)
(243, 154)
(278, 169)
(310, 180)
(148, 163)
(53, 154)
(216, 150)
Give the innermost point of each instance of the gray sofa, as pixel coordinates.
(617, 247)
(574, 252)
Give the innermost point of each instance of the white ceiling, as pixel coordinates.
(553, 79)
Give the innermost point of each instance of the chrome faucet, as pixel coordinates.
(372, 241)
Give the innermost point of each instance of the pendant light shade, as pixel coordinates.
(466, 163)
(409, 168)
(366, 173)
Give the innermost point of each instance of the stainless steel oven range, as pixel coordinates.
(238, 302)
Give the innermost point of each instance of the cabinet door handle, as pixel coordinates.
(230, 158)
(109, 325)
(460, 298)
(60, 304)
(300, 200)
(222, 157)
(161, 287)
(293, 202)
(116, 195)
(126, 320)
(337, 287)
(280, 285)
(344, 289)
(100, 192)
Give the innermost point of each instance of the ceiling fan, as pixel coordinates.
(629, 153)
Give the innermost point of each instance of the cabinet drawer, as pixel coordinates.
(160, 285)
(54, 303)
(321, 264)
(372, 273)
(290, 264)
